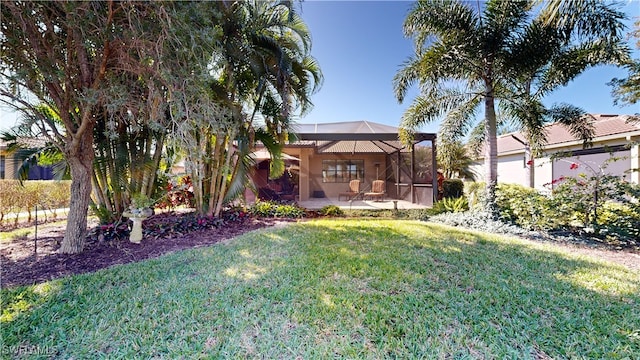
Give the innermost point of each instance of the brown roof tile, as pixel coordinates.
(605, 125)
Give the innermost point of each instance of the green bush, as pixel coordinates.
(529, 209)
(288, 211)
(274, 209)
(331, 210)
(445, 205)
(620, 221)
(452, 188)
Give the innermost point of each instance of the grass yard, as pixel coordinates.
(337, 289)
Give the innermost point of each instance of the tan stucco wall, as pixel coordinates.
(332, 190)
(311, 171)
(511, 169)
(592, 165)
(10, 166)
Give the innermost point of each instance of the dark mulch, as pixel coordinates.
(21, 267)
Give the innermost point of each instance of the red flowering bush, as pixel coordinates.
(177, 194)
(601, 204)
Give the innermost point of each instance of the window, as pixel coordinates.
(342, 171)
(2, 165)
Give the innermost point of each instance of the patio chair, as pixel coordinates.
(377, 190)
(354, 190)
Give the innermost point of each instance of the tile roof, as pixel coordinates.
(366, 146)
(370, 144)
(605, 125)
(24, 142)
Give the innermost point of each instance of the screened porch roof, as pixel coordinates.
(354, 137)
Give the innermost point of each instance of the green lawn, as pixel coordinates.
(337, 289)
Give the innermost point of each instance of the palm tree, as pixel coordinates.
(261, 65)
(470, 56)
(627, 91)
(454, 160)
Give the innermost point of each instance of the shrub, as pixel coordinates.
(177, 192)
(529, 209)
(477, 220)
(459, 204)
(169, 224)
(603, 205)
(57, 196)
(118, 230)
(274, 209)
(452, 188)
(331, 210)
(620, 222)
(288, 211)
(9, 190)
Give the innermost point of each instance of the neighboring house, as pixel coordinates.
(9, 165)
(332, 154)
(615, 135)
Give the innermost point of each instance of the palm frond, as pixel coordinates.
(439, 19)
(407, 76)
(457, 107)
(576, 120)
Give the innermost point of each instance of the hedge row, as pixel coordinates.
(16, 198)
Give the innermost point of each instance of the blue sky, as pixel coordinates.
(360, 47)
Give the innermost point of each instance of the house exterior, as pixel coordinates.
(615, 136)
(330, 155)
(9, 165)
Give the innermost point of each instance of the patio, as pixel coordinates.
(387, 204)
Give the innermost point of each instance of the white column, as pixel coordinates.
(635, 161)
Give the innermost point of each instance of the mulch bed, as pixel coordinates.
(21, 267)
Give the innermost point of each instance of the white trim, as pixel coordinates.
(624, 137)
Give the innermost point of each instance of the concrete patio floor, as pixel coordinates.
(318, 203)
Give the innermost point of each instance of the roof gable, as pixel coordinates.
(604, 126)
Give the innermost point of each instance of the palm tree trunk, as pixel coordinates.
(491, 150)
(223, 180)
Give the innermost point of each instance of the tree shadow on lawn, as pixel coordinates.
(350, 289)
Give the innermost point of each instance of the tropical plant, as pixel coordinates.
(65, 54)
(261, 63)
(627, 91)
(454, 160)
(586, 192)
(468, 57)
(459, 204)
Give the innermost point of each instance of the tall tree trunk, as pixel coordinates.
(530, 168)
(491, 150)
(80, 160)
